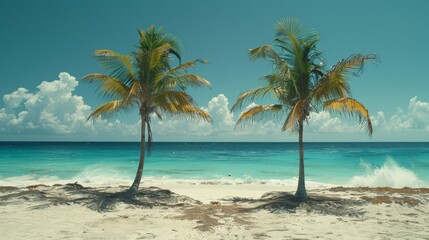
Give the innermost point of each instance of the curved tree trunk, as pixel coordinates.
(133, 189)
(301, 192)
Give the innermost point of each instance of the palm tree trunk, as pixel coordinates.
(301, 192)
(133, 189)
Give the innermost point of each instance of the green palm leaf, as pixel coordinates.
(119, 66)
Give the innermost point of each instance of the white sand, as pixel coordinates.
(224, 220)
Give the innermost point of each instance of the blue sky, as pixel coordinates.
(40, 40)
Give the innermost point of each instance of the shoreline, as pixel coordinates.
(191, 211)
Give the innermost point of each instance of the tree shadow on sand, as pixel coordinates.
(237, 211)
(286, 202)
(99, 199)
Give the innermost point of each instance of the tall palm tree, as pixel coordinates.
(146, 79)
(300, 85)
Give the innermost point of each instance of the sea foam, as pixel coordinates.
(388, 175)
(26, 180)
(98, 175)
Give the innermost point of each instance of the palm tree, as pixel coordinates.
(147, 80)
(300, 85)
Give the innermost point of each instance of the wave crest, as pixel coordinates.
(388, 175)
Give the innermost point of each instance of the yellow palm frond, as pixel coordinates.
(178, 103)
(109, 108)
(258, 112)
(298, 113)
(181, 82)
(137, 90)
(352, 108)
(193, 80)
(194, 112)
(108, 86)
(171, 100)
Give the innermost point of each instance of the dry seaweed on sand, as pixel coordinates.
(211, 215)
(388, 195)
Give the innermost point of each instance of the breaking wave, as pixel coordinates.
(388, 175)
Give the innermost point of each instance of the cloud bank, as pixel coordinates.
(53, 110)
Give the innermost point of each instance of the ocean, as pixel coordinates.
(115, 163)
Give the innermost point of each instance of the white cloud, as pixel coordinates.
(325, 123)
(416, 117)
(217, 107)
(223, 119)
(53, 109)
(222, 127)
(379, 120)
(14, 99)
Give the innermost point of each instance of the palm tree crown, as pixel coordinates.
(300, 83)
(147, 80)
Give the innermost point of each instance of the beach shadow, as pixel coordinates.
(99, 199)
(145, 198)
(287, 202)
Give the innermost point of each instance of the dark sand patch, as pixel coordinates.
(209, 216)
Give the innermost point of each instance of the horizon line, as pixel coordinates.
(66, 141)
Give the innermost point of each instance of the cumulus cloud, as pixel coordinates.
(325, 123)
(52, 109)
(416, 117)
(223, 119)
(217, 107)
(224, 123)
(222, 126)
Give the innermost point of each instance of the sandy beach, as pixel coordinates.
(207, 211)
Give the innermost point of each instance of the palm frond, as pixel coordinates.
(351, 107)
(259, 112)
(109, 108)
(334, 84)
(288, 27)
(185, 111)
(249, 96)
(179, 69)
(109, 87)
(194, 112)
(179, 104)
(139, 91)
(193, 80)
(153, 38)
(157, 113)
(264, 52)
(118, 66)
(298, 113)
(173, 99)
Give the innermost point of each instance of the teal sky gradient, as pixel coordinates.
(40, 39)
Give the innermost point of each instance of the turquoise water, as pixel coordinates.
(363, 164)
